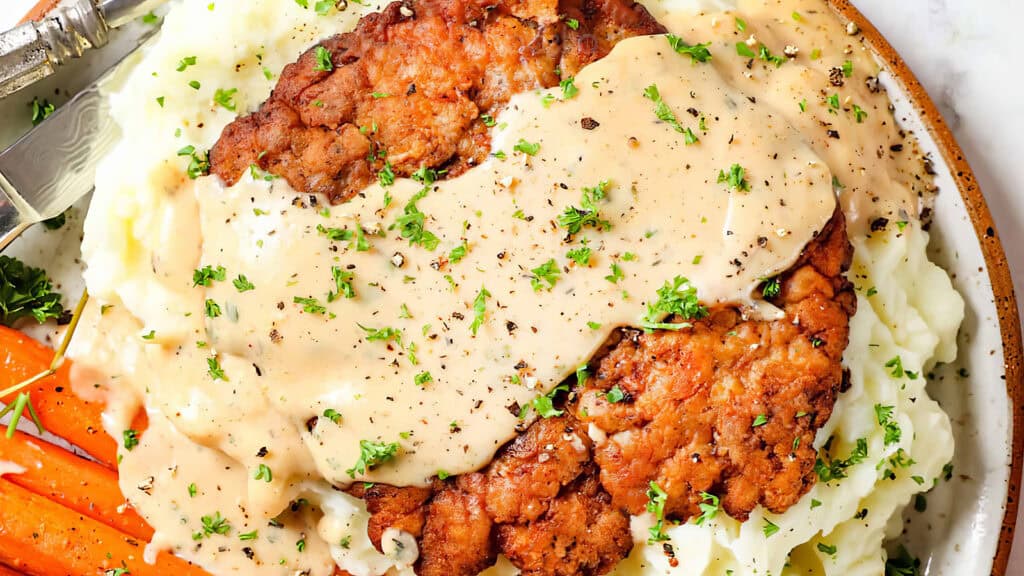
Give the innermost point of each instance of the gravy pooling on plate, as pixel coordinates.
(291, 345)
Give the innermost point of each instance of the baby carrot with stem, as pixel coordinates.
(28, 367)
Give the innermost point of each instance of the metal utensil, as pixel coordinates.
(53, 166)
(34, 50)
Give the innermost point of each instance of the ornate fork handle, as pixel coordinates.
(34, 50)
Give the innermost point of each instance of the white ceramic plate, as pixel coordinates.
(967, 527)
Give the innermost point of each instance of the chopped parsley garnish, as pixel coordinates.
(199, 163)
(185, 63)
(214, 369)
(582, 375)
(826, 549)
(769, 528)
(616, 274)
(528, 148)
(150, 18)
(310, 305)
(225, 98)
(572, 23)
(26, 292)
(836, 469)
(194, 84)
(191, 490)
(772, 287)
(323, 7)
(58, 221)
(848, 68)
(342, 284)
(743, 50)
(300, 545)
(207, 274)
(380, 95)
(892, 430)
(677, 297)
(385, 334)
(767, 56)
(896, 363)
(859, 114)
(41, 110)
(833, 103)
(656, 498)
(411, 223)
(574, 219)
(544, 404)
(215, 525)
(759, 420)
(212, 308)
(334, 234)
(263, 473)
(581, 255)
(479, 309)
(488, 120)
(242, 284)
(249, 535)
(423, 378)
(372, 454)
(741, 25)
(458, 253)
(569, 89)
(615, 395)
(323, 60)
(709, 507)
(386, 176)
(903, 564)
(697, 52)
(332, 415)
(735, 178)
(665, 114)
(547, 272)
(594, 325)
(131, 439)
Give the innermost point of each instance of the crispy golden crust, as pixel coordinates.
(581, 533)
(729, 407)
(441, 64)
(457, 536)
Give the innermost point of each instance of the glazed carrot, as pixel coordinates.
(42, 538)
(83, 486)
(59, 409)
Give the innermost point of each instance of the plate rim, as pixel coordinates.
(985, 231)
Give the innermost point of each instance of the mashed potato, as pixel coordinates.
(890, 439)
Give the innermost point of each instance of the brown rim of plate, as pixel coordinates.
(984, 229)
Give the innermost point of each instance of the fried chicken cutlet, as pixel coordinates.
(415, 85)
(729, 407)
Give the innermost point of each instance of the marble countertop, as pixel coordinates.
(959, 49)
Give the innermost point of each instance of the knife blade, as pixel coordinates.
(54, 165)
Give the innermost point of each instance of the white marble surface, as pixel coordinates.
(961, 51)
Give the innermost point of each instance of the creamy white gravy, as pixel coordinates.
(269, 400)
